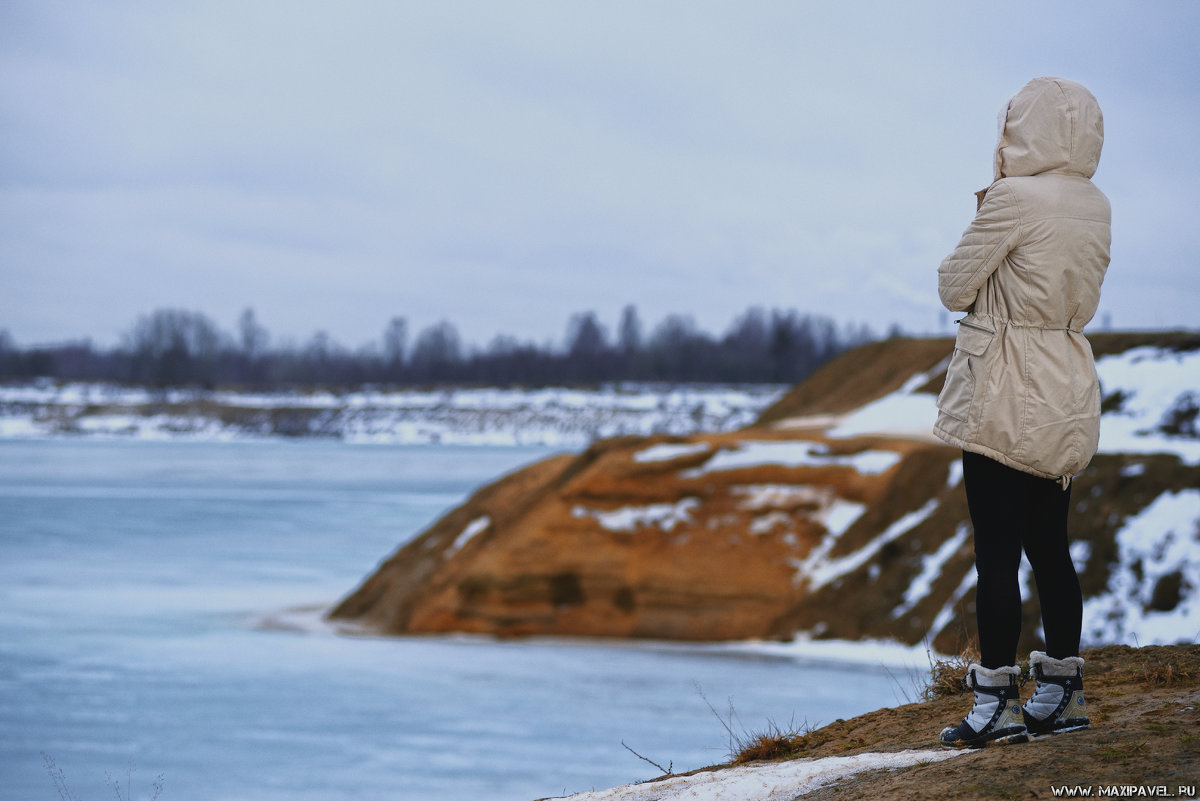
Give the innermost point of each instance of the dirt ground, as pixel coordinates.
(1144, 704)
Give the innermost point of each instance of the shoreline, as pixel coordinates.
(309, 619)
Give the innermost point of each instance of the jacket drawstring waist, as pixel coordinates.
(1000, 321)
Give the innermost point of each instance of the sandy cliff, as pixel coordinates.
(836, 515)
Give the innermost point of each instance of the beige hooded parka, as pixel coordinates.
(1021, 387)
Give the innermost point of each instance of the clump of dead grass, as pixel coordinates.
(946, 676)
(773, 744)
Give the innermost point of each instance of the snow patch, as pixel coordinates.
(780, 781)
(954, 477)
(631, 518)
(765, 524)
(818, 421)
(670, 452)
(948, 611)
(1151, 382)
(1081, 552)
(931, 570)
(818, 569)
(1152, 597)
(781, 496)
(18, 427)
(903, 413)
(476, 526)
(832, 512)
(839, 516)
(793, 453)
(894, 415)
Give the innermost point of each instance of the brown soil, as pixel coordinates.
(1144, 705)
(860, 376)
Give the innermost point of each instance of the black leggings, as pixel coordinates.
(1011, 510)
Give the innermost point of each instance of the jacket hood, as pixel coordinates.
(1052, 124)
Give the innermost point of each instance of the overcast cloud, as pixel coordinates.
(505, 164)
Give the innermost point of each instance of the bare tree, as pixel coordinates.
(8, 352)
(437, 352)
(395, 340)
(745, 349)
(629, 331)
(252, 337)
(586, 338)
(175, 346)
(678, 350)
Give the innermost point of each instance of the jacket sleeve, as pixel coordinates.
(985, 243)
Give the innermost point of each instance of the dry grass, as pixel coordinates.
(1152, 666)
(1165, 675)
(946, 676)
(59, 780)
(774, 743)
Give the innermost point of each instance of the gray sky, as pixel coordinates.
(505, 164)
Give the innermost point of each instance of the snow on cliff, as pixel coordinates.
(1151, 596)
(1151, 397)
(1151, 400)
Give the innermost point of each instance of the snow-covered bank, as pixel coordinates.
(776, 781)
(559, 417)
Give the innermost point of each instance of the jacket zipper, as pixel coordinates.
(967, 323)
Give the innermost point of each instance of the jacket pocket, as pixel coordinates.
(970, 345)
(973, 338)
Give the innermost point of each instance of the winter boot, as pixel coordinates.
(996, 716)
(1057, 703)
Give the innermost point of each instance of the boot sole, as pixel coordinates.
(1038, 735)
(1006, 737)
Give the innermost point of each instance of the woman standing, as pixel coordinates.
(1022, 398)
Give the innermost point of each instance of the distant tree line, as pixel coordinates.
(176, 347)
